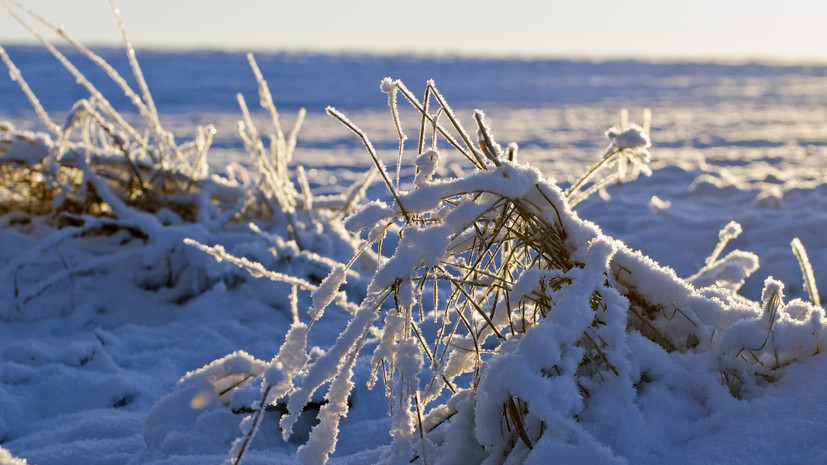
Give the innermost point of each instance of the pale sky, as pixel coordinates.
(695, 29)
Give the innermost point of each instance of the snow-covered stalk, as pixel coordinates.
(323, 438)
(728, 233)
(330, 366)
(162, 138)
(279, 149)
(806, 271)
(254, 268)
(433, 118)
(392, 90)
(17, 76)
(627, 144)
(485, 139)
(276, 383)
(291, 139)
(99, 97)
(732, 270)
(307, 195)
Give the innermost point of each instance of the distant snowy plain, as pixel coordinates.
(89, 365)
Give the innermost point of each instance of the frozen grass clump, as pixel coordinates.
(99, 174)
(500, 316)
(96, 163)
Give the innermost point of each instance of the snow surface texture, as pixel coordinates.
(116, 347)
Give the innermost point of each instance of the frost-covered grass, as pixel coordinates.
(499, 315)
(97, 173)
(498, 325)
(99, 164)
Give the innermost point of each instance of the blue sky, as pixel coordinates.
(718, 29)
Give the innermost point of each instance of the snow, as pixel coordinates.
(25, 147)
(633, 137)
(119, 339)
(326, 292)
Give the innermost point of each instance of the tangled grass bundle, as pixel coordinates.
(499, 314)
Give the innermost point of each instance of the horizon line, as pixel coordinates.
(664, 58)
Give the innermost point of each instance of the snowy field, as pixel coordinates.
(100, 323)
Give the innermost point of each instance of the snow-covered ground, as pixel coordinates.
(98, 326)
